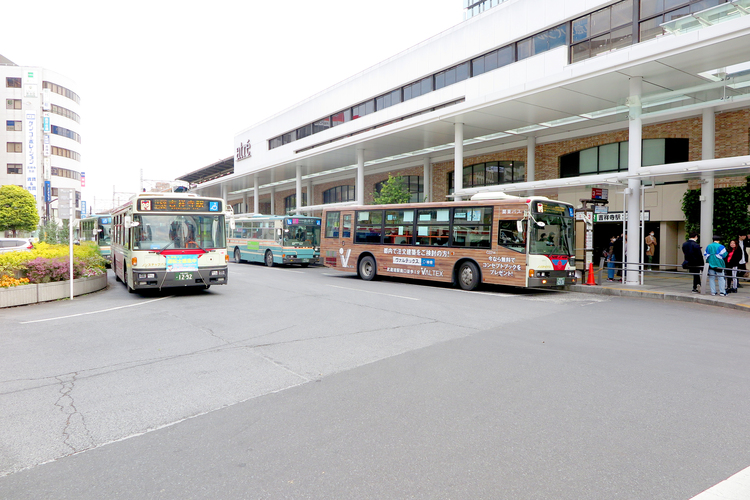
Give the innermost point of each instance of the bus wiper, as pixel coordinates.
(165, 247)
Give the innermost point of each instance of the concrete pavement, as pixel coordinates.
(664, 285)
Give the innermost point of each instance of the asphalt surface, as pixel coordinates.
(292, 383)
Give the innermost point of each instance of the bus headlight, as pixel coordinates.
(218, 272)
(146, 276)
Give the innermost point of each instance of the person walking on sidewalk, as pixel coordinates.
(611, 259)
(650, 249)
(693, 259)
(714, 254)
(733, 262)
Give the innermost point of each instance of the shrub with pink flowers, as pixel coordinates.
(41, 270)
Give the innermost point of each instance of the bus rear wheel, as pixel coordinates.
(367, 269)
(237, 255)
(468, 276)
(269, 258)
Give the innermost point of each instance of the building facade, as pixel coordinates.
(644, 98)
(41, 137)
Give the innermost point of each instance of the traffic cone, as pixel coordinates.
(590, 280)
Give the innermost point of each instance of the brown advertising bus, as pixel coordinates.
(494, 238)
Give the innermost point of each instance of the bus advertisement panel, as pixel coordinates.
(523, 242)
(98, 229)
(275, 239)
(170, 240)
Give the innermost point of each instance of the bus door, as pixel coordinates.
(338, 239)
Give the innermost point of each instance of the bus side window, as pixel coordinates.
(510, 237)
(332, 224)
(347, 226)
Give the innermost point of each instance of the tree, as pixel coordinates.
(17, 209)
(392, 191)
(731, 216)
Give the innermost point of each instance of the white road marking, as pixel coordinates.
(376, 293)
(96, 312)
(737, 487)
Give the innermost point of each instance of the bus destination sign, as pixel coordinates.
(178, 205)
(544, 207)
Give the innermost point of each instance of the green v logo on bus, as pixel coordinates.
(345, 259)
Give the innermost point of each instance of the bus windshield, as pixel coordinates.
(554, 238)
(302, 233)
(104, 231)
(178, 231)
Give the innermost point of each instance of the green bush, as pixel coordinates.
(86, 256)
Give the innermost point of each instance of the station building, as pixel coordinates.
(41, 139)
(642, 98)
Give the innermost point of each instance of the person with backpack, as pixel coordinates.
(715, 254)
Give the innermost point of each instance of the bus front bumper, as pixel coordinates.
(144, 279)
(545, 279)
(293, 259)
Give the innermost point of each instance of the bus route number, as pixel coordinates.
(183, 276)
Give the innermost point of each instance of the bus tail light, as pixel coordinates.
(134, 261)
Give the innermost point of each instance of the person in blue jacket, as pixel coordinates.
(715, 254)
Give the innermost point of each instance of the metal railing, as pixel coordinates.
(643, 268)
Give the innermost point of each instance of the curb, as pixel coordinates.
(650, 294)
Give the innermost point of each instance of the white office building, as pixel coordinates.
(41, 138)
(643, 98)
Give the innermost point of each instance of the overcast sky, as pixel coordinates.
(166, 85)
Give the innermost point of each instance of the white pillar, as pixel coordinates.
(310, 193)
(635, 135)
(458, 160)
(256, 194)
(273, 201)
(245, 202)
(360, 184)
(530, 159)
(299, 189)
(707, 179)
(427, 181)
(224, 194)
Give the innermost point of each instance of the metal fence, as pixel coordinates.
(647, 268)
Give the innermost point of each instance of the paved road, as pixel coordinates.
(291, 383)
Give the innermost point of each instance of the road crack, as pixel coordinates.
(76, 435)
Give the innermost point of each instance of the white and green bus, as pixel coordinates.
(98, 228)
(162, 240)
(274, 239)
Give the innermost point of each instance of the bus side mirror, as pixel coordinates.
(128, 222)
(232, 224)
(541, 224)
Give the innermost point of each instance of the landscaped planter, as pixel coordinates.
(44, 292)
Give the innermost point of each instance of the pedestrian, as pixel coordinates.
(743, 244)
(693, 259)
(733, 262)
(611, 258)
(650, 249)
(715, 254)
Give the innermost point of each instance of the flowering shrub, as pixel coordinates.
(47, 262)
(41, 270)
(8, 281)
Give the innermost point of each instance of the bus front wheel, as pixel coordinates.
(367, 269)
(237, 255)
(468, 276)
(269, 258)
(126, 281)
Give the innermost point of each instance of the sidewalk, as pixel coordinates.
(668, 287)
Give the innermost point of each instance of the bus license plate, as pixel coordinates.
(183, 276)
(560, 281)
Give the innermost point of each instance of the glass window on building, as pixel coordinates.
(490, 174)
(614, 157)
(413, 183)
